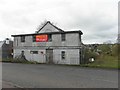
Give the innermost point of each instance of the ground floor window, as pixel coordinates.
(63, 55)
(34, 52)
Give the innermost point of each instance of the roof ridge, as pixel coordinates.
(52, 25)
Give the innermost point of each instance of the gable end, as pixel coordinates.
(60, 30)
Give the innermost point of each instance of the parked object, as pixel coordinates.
(91, 59)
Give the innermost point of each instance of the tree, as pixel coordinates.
(42, 24)
(105, 48)
(89, 54)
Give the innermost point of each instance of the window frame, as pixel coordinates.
(49, 37)
(34, 38)
(23, 39)
(33, 52)
(63, 37)
(63, 56)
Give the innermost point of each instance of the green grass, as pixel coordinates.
(6, 60)
(19, 61)
(105, 61)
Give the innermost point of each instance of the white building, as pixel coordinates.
(50, 44)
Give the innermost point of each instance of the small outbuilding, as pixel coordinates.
(6, 49)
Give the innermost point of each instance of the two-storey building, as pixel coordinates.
(50, 44)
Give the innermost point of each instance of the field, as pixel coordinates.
(105, 62)
(105, 55)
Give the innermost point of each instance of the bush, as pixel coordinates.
(89, 54)
(6, 60)
(23, 61)
(19, 61)
(105, 48)
(116, 50)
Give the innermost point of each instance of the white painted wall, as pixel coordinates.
(71, 56)
(41, 58)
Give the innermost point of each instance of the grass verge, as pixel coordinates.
(105, 62)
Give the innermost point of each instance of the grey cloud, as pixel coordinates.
(97, 22)
(16, 20)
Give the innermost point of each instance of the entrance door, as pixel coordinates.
(49, 56)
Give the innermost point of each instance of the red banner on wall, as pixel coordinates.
(41, 38)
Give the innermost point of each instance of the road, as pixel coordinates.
(56, 76)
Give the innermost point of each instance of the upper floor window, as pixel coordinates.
(80, 37)
(16, 42)
(63, 37)
(22, 38)
(34, 38)
(49, 37)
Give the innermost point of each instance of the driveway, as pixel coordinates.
(58, 76)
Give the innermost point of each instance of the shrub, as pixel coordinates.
(115, 50)
(89, 54)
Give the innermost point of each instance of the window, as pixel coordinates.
(49, 37)
(16, 41)
(34, 52)
(22, 38)
(34, 38)
(80, 37)
(63, 54)
(63, 37)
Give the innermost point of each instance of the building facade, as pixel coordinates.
(50, 44)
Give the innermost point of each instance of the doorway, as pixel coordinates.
(49, 56)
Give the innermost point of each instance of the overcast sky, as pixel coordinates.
(97, 19)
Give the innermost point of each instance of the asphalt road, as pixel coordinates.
(55, 76)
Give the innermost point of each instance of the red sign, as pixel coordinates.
(41, 38)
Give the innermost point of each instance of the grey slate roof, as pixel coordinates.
(60, 31)
(48, 33)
